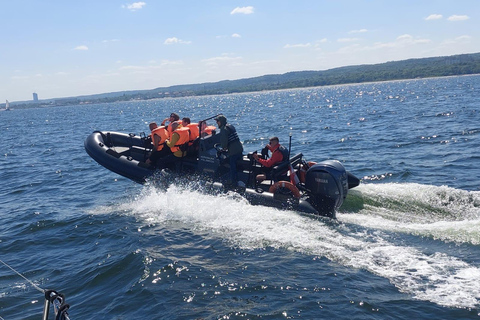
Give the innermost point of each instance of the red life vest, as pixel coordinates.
(162, 133)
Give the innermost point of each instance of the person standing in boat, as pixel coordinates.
(230, 142)
(279, 154)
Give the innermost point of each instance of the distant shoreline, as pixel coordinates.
(412, 69)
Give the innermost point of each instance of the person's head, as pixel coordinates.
(174, 117)
(274, 141)
(185, 122)
(174, 126)
(221, 120)
(152, 126)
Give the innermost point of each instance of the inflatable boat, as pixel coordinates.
(317, 188)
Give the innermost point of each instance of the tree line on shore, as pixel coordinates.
(464, 64)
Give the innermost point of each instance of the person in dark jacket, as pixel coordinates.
(230, 142)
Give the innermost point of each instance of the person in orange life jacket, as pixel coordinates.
(194, 134)
(158, 136)
(230, 142)
(279, 154)
(175, 144)
(172, 119)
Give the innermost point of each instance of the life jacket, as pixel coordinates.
(209, 129)
(284, 152)
(169, 127)
(162, 133)
(194, 132)
(184, 134)
(232, 133)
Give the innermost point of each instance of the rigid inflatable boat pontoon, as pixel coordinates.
(322, 188)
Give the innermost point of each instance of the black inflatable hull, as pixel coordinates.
(102, 147)
(325, 188)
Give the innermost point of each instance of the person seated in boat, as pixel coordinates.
(158, 136)
(172, 119)
(230, 142)
(177, 144)
(194, 134)
(278, 154)
(206, 130)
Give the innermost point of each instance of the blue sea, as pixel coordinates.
(406, 244)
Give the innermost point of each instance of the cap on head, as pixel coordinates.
(221, 118)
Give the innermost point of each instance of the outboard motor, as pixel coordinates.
(327, 182)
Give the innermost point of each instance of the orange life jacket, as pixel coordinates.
(162, 133)
(169, 127)
(209, 129)
(194, 132)
(184, 134)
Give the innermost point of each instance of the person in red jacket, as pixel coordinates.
(279, 154)
(277, 150)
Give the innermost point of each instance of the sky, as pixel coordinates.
(62, 48)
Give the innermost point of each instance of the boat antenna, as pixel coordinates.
(51, 296)
(289, 145)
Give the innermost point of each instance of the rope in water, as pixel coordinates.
(21, 275)
(55, 298)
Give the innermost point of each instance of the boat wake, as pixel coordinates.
(441, 213)
(364, 237)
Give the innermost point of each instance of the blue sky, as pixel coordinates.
(69, 48)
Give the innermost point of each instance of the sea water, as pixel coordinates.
(406, 244)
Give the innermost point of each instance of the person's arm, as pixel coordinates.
(276, 158)
(156, 141)
(173, 141)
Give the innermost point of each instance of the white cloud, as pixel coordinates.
(434, 17)
(81, 48)
(358, 31)
(298, 45)
(236, 35)
(463, 38)
(348, 39)
(458, 18)
(403, 41)
(20, 77)
(175, 40)
(134, 6)
(243, 10)
(223, 59)
(407, 39)
(112, 40)
(458, 40)
(171, 62)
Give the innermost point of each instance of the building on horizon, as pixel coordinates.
(35, 97)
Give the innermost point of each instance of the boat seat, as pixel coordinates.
(279, 171)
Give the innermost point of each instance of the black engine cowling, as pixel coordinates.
(327, 182)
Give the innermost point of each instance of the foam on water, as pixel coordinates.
(437, 277)
(442, 213)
